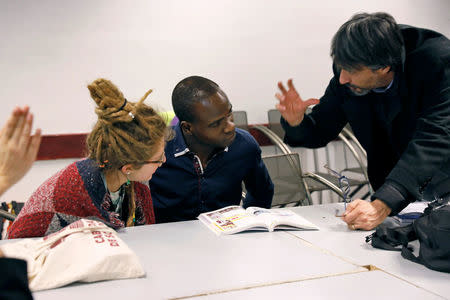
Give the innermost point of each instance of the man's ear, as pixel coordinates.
(186, 127)
(385, 70)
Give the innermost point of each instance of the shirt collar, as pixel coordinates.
(180, 144)
(383, 90)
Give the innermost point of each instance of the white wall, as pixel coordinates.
(50, 51)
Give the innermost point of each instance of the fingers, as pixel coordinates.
(350, 217)
(311, 101)
(281, 87)
(24, 138)
(352, 212)
(280, 107)
(290, 84)
(360, 226)
(352, 226)
(34, 145)
(353, 204)
(17, 133)
(280, 97)
(10, 125)
(19, 124)
(364, 215)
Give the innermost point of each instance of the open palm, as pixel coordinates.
(291, 106)
(18, 149)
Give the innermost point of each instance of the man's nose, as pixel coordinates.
(344, 77)
(230, 126)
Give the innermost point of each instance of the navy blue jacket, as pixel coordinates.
(405, 131)
(181, 192)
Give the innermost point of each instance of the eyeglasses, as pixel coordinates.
(344, 186)
(159, 161)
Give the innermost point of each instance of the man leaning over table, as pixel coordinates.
(392, 85)
(209, 159)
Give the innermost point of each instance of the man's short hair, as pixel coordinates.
(189, 91)
(371, 40)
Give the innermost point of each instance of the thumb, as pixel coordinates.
(312, 101)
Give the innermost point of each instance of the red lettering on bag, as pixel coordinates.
(108, 234)
(98, 237)
(113, 243)
(77, 224)
(57, 242)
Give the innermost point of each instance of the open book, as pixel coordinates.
(233, 219)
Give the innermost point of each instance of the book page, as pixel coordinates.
(281, 219)
(417, 206)
(410, 213)
(230, 219)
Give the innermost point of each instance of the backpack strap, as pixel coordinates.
(408, 254)
(389, 238)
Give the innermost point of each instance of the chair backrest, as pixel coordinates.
(274, 116)
(285, 172)
(349, 140)
(6, 215)
(240, 119)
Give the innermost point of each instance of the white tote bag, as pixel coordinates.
(85, 250)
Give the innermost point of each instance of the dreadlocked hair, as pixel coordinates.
(125, 133)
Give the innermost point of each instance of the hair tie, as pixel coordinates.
(123, 105)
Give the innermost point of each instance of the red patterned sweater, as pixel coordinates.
(75, 192)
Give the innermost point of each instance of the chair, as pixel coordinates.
(273, 115)
(289, 185)
(320, 181)
(6, 215)
(240, 119)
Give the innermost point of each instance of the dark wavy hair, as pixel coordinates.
(371, 40)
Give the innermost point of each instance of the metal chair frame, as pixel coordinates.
(6, 215)
(346, 136)
(293, 160)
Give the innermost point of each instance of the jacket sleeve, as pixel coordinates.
(14, 280)
(322, 125)
(258, 184)
(428, 152)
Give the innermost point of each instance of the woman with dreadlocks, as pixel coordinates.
(125, 148)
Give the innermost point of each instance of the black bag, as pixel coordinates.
(433, 232)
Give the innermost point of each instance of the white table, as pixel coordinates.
(185, 260)
(376, 285)
(350, 245)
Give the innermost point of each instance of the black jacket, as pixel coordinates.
(14, 280)
(405, 131)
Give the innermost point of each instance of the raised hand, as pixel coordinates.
(291, 106)
(18, 149)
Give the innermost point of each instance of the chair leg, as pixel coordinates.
(356, 190)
